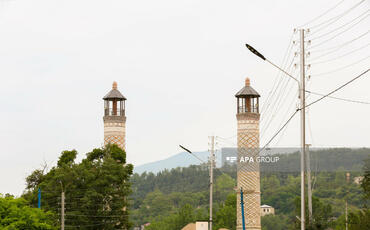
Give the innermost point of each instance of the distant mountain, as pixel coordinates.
(185, 159)
(182, 159)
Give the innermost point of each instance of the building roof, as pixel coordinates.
(114, 93)
(190, 226)
(247, 90)
(265, 206)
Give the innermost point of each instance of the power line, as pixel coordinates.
(278, 104)
(281, 128)
(326, 95)
(344, 67)
(279, 92)
(323, 14)
(227, 141)
(336, 35)
(286, 113)
(109, 216)
(335, 48)
(337, 89)
(346, 54)
(340, 26)
(336, 18)
(272, 92)
(88, 225)
(338, 98)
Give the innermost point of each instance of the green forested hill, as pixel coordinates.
(172, 198)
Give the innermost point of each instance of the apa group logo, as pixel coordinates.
(231, 159)
(259, 159)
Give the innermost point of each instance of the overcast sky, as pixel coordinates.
(179, 63)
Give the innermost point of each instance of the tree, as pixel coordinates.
(16, 214)
(96, 190)
(366, 181)
(359, 220)
(223, 186)
(322, 214)
(185, 215)
(274, 222)
(226, 215)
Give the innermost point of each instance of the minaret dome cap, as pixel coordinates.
(114, 94)
(247, 90)
(247, 82)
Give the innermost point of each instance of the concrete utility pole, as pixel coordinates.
(303, 125)
(211, 165)
(302, 96)
(62, 212)
(309, 189)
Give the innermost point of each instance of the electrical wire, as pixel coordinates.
(227, 141)
(78, 226)
(283, 95)
(273, 89)
(277, 133)
(321, 15)
(309, 127)
(278, 79)
(277, 91)
(327, 33)
(286, 113)
(337, 35)
(337, 89)
(277, 105)
(344, 67)
(344, 55)
(338, 98)
(336, 18)
(335, 48)
(110, 216)
(314, 102)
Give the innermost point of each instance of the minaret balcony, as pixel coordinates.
(112, 112)
(253, 109)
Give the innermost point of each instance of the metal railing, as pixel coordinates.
(111, 112)
(242, 109)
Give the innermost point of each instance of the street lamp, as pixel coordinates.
(302, 96)
(253, 50)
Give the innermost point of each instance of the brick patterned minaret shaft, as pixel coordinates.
(114, 118)
(248, 174)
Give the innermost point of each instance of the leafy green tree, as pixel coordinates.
(226, 215)
(184, 216)
(322, 214)
(359, 220)
(366, 181)
(223, 186)
(275, 222)
(96, 190)
(17, 214)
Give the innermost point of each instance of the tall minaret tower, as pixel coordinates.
(248, 174)
(114, 118)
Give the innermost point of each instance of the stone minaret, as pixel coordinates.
(248, 174)
(114, 118)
